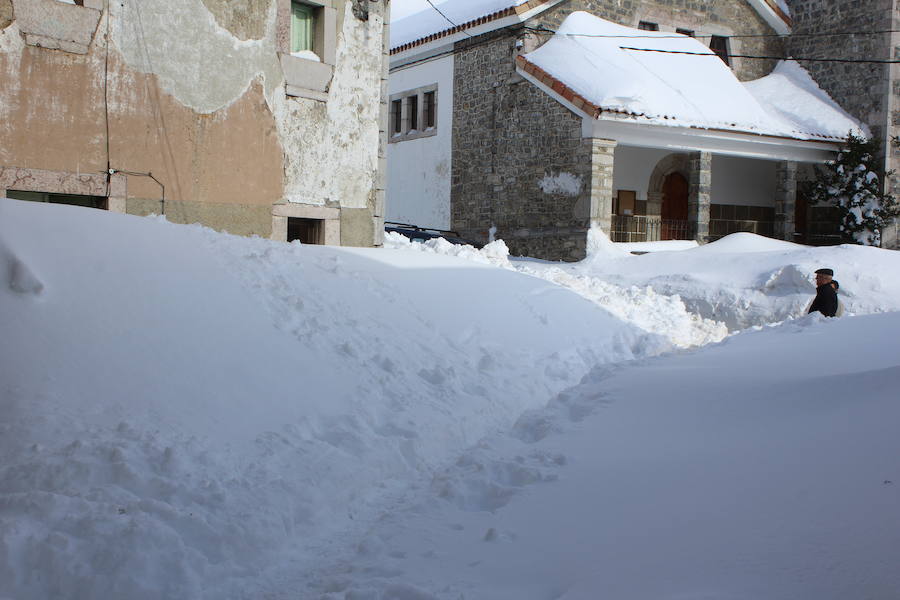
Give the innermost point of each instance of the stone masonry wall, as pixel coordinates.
(865, 90)
(508, 137)
(519, 162)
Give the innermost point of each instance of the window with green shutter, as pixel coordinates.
(303, 27)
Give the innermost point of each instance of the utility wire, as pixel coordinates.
(106, 102)
(545, 30)
(797, 58)
(446, 17)
(542, 29)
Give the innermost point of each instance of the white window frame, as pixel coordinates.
(406, 131)
(307, 77)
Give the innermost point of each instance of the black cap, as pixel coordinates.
(828, 272)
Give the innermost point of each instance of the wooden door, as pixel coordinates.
(674, 207)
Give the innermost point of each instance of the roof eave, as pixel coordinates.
(497, 20)
(637, 130)
(776, 18)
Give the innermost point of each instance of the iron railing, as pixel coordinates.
(640, 228)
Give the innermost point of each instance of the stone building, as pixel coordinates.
(257, 117)
(485, 142)
(868, 91)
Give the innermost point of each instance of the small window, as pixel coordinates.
(306, 231)
(648, 26)
(413, 113)
(687, 32)
(303, 28)
(719, 45)
(428, 98)
(396, 117)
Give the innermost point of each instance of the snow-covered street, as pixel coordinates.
(189, 414)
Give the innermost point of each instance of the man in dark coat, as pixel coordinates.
(826, 301)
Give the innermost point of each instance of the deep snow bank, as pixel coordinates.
(762, 467)
(641, 306)
(179, 409)
(745, 280)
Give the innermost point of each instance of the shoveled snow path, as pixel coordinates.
(738, 471)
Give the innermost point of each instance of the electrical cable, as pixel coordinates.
(106, 102)
(446, 17)
(796, 58)
(749, 56)
(542, 29)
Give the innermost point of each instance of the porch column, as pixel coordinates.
(654, 204)
(699, 194)
(785, 199)
(602, 163)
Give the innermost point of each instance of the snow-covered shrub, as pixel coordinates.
(851, 182)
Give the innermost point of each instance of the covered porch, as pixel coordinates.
(680, 149)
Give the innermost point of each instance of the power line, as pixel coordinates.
(446, 17)
(542, 29)
(797, 58)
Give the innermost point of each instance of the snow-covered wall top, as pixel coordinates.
(677, 81)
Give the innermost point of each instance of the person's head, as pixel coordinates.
(824, 276)
(835, 284)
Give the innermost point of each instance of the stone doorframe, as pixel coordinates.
(671, 163)
(696, 168)
(329, 216)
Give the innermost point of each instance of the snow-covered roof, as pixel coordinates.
(415, 22)
(427, 24)
(602, 69)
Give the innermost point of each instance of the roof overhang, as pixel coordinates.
(637, 131)
(440, 41)
(776, 18)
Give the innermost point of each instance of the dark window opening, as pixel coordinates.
(413, 112)
(719, 45)
(306, 231)
(687, 32)
(429, 109)
(648, 26)
(70, 199)
(396, 116)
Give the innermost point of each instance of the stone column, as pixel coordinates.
(699, 188)
(118, 194)
(654, 204)
(785, 199)
(602, 163)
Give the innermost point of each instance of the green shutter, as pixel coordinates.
(303, 27)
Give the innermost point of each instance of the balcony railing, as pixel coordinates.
(640, 228)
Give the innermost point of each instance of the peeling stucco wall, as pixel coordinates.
(196, 95)
(183, 45)
(331, 149)
(245, 19)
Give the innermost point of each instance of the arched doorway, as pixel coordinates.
(674, 210)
